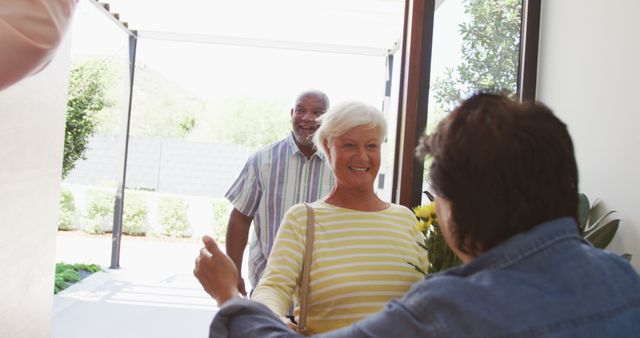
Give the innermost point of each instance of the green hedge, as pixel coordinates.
(100, 206)
(134, 219)
(99, 216)
(174, 216)
(221, 210)
(67, 210)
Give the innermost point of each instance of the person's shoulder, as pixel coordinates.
(611, 263)
(399, 207)
(268, 150)
(436, 289)
(267, 153)
(297, 209)
(317, 207)
(401, 210)
(297, 212)
(295, 216)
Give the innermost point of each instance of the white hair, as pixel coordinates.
(345, 116)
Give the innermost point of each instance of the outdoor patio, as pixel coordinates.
(153, 294)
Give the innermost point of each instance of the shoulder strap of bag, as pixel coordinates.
(306, 267)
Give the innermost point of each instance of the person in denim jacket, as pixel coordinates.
(506, 182)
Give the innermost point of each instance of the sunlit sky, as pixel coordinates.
(212, 71)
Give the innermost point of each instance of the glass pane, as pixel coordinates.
(391, 112)
(199, 113)
(476, 45)
(200, 109)
(92, 164)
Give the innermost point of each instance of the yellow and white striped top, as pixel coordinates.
(359, 263)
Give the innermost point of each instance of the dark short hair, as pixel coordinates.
(504, 166)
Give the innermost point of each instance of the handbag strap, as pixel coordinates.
(306, 268)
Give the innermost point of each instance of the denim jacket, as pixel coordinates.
(546, 282)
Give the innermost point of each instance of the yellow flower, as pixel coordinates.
(422, 226)
(426, 212)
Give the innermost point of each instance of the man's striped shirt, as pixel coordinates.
(359, 263)
(272, 180)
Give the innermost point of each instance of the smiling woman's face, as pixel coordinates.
(355, 157)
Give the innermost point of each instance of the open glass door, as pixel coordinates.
(451, 49)
(476, 46)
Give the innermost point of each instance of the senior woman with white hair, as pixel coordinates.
(362, 244)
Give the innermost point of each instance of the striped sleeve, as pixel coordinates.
(245, 192)
(280, 279)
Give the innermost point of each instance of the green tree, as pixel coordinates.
(86, 97)
(250, 121)
(490, 52)
(162, 107)
(253, 122)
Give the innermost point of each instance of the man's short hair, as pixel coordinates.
(504, 166)
(313, 92)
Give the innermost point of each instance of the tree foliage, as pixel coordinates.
(163, 108)
(249, 121)
(490, 52)
(253, 122)
(160, 107)
(86, 97)
(166, 109)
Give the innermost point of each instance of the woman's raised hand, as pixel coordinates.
(216, 272)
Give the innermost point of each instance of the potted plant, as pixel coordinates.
(596, 224)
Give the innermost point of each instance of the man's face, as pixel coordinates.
(303, 117)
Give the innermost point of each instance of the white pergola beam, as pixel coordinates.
(266, 43)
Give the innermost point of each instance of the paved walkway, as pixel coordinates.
(153, 294)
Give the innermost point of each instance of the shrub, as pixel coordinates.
(68, 274)
(67, 210)
(221, 210)
(134, 219)
(99, 216)
(174, 218)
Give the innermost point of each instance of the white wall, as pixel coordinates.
(32, 116)
(589, 74)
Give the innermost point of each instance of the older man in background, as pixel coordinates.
(284, 173)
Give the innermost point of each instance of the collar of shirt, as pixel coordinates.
(294, 149)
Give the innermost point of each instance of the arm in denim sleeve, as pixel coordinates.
(249, 319)
(244, 318)
(396, 320)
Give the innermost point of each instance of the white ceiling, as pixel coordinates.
(353, 26)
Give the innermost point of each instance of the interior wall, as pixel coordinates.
(32, 117)
(589, 68)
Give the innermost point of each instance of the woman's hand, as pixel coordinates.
(216, 272)
(289, 323)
